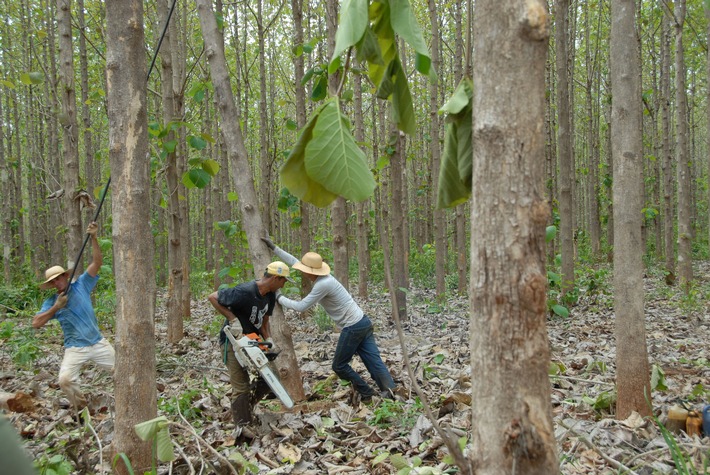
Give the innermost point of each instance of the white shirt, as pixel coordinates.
(335, 299)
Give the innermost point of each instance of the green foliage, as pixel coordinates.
(289, 204)
(325, 387)
(457, 158)
(603, 401)
(326, 162)
(422, 265)
(395, 414)
(183, 403)
(658, 379)
(23, 299)
(22, 342)
(201, 170)
(156, 430)
(700, 393)
(54, 465)
(201, 282)
(322, 320)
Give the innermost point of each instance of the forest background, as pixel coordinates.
(54, 148)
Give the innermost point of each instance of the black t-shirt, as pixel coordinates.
(248, 305)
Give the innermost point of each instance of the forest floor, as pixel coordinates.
(327, 433)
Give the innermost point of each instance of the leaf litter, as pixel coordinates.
(332, 432)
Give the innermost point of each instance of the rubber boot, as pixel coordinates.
(241, 414)
(241, 410)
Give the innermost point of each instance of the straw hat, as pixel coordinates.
(312, 263)
(51, 274)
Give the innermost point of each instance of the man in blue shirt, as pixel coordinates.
(71, 306)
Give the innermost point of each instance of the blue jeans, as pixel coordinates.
(360, 339)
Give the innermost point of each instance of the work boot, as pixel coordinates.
(242, 416)
(241, 410)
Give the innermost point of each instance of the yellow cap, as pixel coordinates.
(279, 269)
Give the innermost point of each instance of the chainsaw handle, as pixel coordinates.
(267, 344)
(257, 340)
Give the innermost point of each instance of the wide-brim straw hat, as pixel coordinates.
(312, 263)
(51, 274)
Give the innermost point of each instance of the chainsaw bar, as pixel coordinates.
(250, 356)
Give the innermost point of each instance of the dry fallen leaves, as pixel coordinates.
(328, 434)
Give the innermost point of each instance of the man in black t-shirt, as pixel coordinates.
(247, 308)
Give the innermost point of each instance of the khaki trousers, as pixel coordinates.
(102, 353)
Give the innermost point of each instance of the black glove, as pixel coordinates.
(268, 243)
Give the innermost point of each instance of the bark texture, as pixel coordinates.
(68, 121)
(632, 373)
(254, 229)
(509, 346)
(685, 227)
(564, 138)
(135, 371)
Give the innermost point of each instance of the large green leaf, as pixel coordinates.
(196, 177)
(382, 28)
(402, 105)
(157, 429)
(455, 175)
(333, 159)
(353, 22)
(459, 99)
(293, 171)
(368, 49)
(405, 25)
(451, 190)
(211, 166)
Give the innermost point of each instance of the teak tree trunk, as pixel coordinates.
(286, 363)
(685, 227)
(434, 104)
(632, 371)
(135, 371)
(512, 429)
(564, 138)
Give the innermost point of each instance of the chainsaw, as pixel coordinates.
(250, 353)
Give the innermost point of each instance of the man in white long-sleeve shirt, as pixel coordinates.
(357, 333)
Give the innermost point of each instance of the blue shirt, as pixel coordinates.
(77, 318)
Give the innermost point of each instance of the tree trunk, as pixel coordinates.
(362, 234)
(7, 208)
(173, 185)
(70, 125)
(564, 139)
(304, 231)
(399, 227)
(707, 106)
(509, 346)
(632, 371)
(90, 177)
(286, 363)
(265, 186)
(439, 217)
(685, 228)
(461, 210)
(135, 371)
(667, 212)
(595, 230)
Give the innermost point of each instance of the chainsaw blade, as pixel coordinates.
(250, 356)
